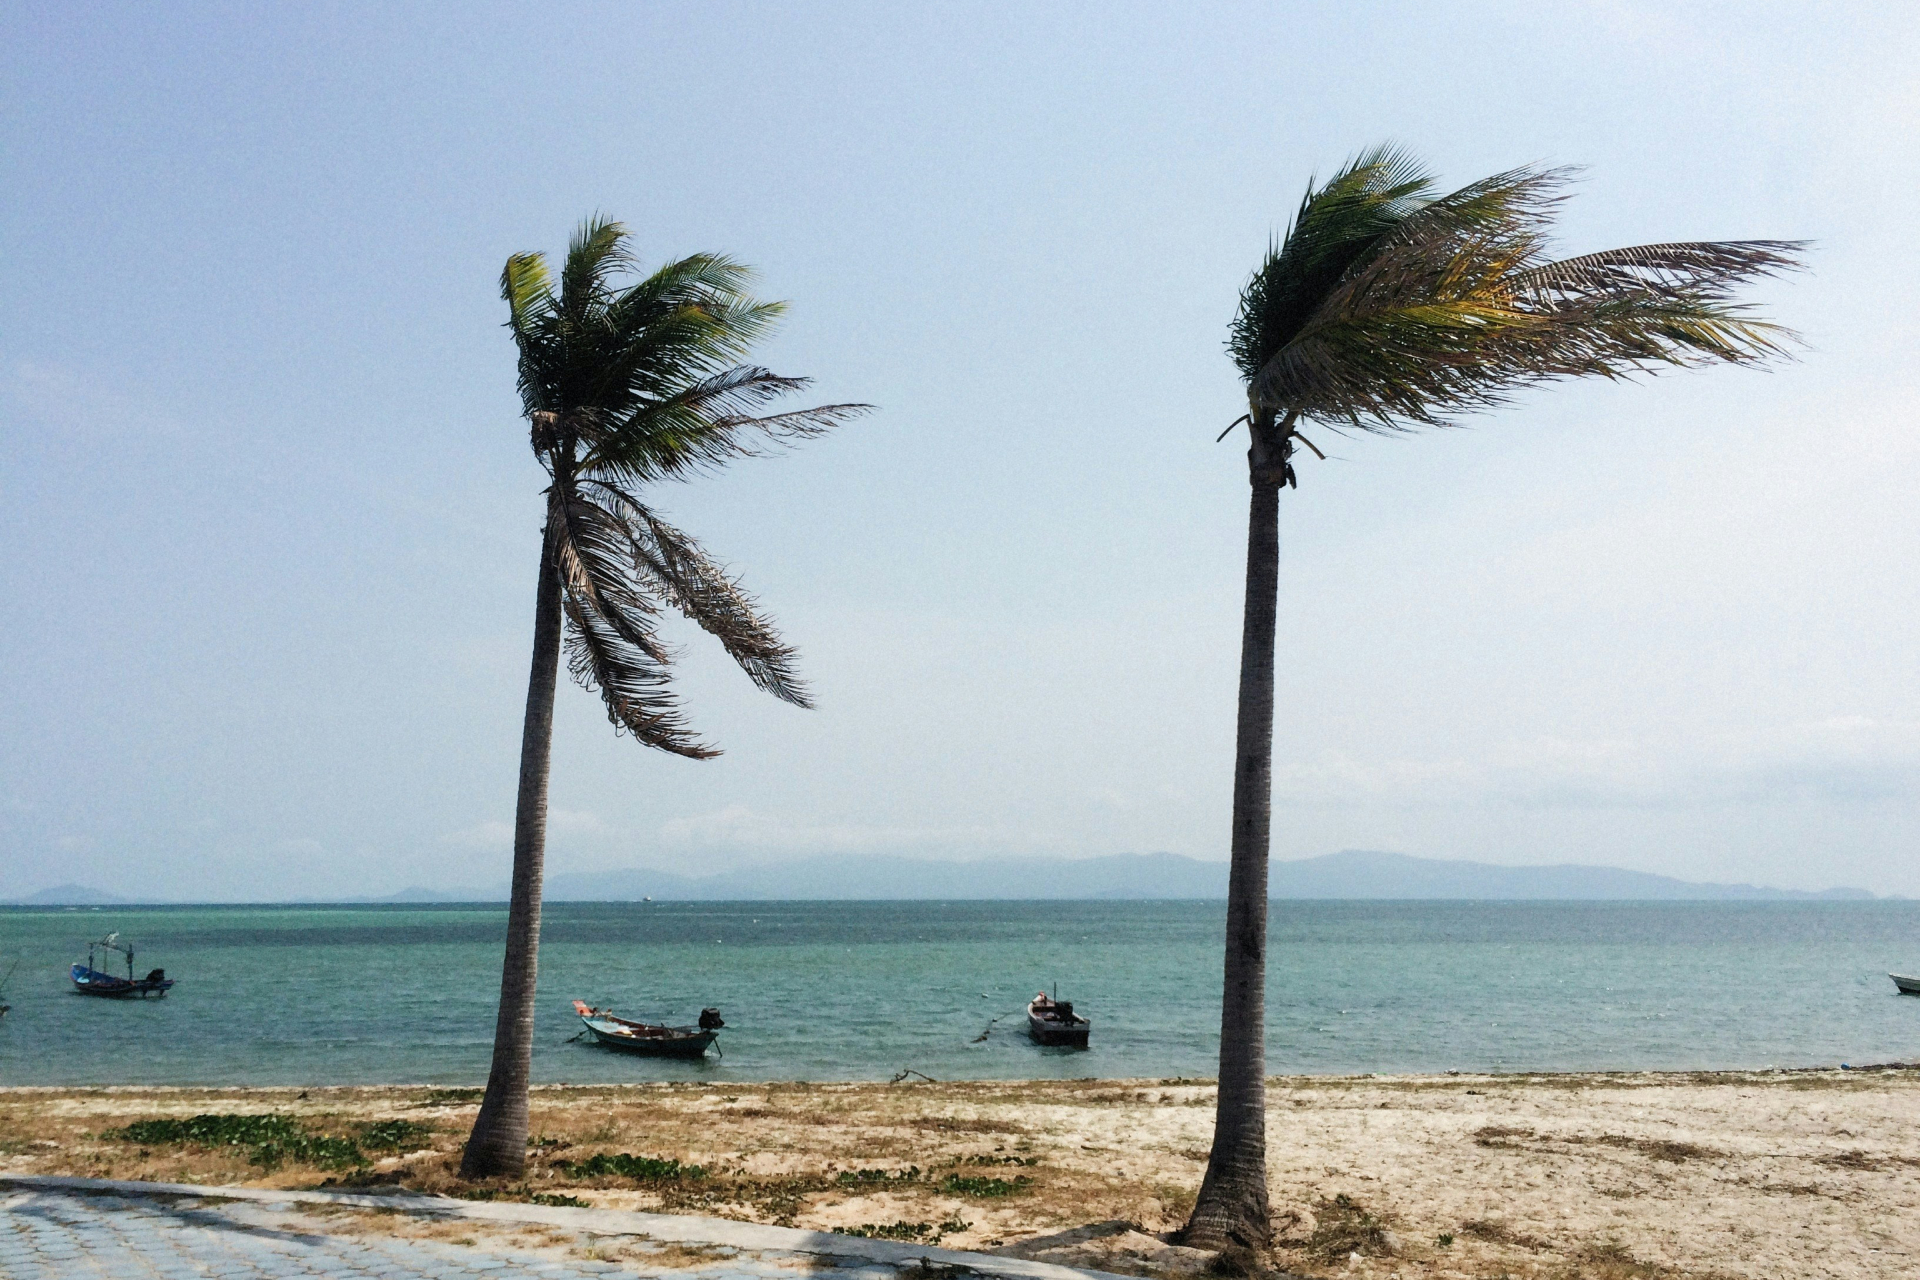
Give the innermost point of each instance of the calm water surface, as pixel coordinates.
(858, 991)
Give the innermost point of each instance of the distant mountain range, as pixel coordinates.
(1354, 873)
(69, 895)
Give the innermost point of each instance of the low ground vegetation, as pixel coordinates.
(1613, 1176)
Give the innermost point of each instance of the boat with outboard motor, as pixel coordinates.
(1053, 1022)
(650, 1038)
(91, 981)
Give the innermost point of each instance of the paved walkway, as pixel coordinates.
(81, 1229)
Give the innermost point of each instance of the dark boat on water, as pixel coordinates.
(89, 981)
(651, 1039)
(4, 1006)
(1053, 1022)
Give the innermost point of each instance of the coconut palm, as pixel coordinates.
(624, 387)
(1387, 308)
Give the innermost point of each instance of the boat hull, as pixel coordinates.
(676, 1042)
(1056, 1036)
(1908, 986)
(91, 982)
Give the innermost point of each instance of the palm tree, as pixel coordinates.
(624, 387)
(1388, 308)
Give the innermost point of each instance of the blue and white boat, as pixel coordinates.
(90, 981)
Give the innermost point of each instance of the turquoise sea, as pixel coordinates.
(861, 990)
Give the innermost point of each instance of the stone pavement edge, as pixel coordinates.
(55, 1228)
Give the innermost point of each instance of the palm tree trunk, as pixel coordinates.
(498, 1144)
(1231, 1211)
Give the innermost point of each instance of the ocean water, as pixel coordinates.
(860, 991)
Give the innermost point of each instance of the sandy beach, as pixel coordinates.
(1749, 1174)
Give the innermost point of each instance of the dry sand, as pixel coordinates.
(1745, 1174)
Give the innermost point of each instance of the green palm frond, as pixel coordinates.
(598, 251)
(704, 426)
(1336, 224)
(628, 382)
(1456, 305)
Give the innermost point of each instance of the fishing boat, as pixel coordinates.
(1053, 1022)
(91, 981)
(650, 1038)
(1909, 986)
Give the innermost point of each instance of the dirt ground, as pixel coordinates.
(1747, 1174)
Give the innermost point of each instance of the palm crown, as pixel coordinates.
(629, 385)
(1387, 307)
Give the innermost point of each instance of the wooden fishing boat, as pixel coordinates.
(90, 981)
(1909, 986)
(1053, 1022)
(650, 1038)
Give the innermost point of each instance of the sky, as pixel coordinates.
(269, 521)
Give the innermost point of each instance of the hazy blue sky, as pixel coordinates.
(268, 518)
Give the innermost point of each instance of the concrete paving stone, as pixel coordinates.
(75, 1229)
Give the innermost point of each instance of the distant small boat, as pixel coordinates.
(650, 1038)
(89, 981)
(1908, 986)
(4, 1006)
(1053, 1022)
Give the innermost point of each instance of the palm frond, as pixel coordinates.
(597, 251)
(636, 689)
(1335, 224)
(700, 588)
(527, 287)
(1691, 268)
(593, 551)
(648, 355)
(705, 425)
(611, 646)
(1458, 306)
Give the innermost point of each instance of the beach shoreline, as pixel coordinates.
(1695, 1173)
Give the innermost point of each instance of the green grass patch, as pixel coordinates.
(394, 1135)
(524, 1194)
(877, 1177)
(984, 1188)
(890, 1230)
(559, 1201)
(919, 1232)
(639, 1168)
(269, 1141)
